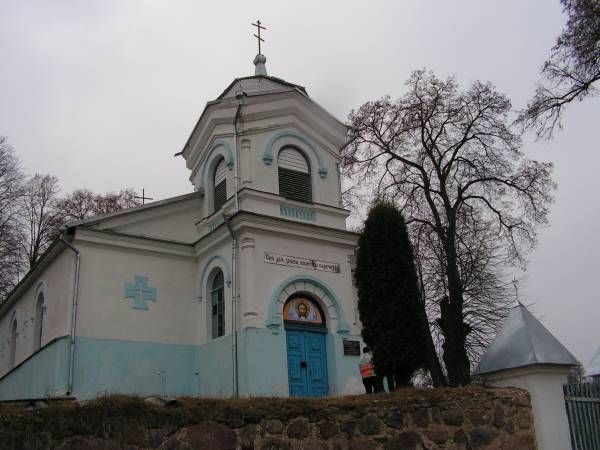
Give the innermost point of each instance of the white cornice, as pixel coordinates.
(278, 200)
(128, 242)
(256, 222)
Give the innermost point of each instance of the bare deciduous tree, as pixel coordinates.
(112, 202)
(82, 204)
(10, 191)
(38, 216)
(571, 72)
(31, 214)
(487, 293)
(450, 159)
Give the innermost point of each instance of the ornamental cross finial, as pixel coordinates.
(143, 198)
(257, 36)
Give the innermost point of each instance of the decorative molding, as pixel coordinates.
(291, 212)
(215, 223)
(41, 288)
(224, 266)
(229, 160)
(140, 292)
(247, 243)
(268, 153)
(305, 283)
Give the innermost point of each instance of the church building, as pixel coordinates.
(242, 287)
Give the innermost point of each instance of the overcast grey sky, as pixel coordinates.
(102, 93)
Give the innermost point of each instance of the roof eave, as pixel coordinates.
(47, 257)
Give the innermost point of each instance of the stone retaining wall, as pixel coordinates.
(470, 418)
(460, 419)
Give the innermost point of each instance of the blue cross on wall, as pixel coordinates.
(140, 292)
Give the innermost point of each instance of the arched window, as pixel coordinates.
(220, 184)
(217, 296)
(294, 175)
(13, 344)
(38, 322)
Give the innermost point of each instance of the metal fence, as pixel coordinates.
(583, 411)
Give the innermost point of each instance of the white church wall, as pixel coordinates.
(56, 284)
(269, 276)
(173, 221)
(121, 348)
(172, 318)
(39, 372)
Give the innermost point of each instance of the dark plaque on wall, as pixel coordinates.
(351, 348)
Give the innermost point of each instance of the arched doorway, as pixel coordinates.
(306, 331)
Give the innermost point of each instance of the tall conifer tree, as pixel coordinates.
(389, 301)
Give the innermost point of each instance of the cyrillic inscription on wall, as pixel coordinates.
(305, 263)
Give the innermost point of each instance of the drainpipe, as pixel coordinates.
(236, 176)
(73, 314)
(234, 254)
(234, 302)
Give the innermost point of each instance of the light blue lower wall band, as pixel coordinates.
(43, 375)
(214, 367)
(132, 367)
(263, 366)
(149, 368)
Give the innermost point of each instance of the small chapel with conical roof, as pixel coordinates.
(242, 287)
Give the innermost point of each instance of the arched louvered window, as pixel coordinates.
(38, 322)
(294, 175)
(220, 184)
(13, 344)
(217, 296)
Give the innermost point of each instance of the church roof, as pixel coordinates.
(122, 212)
(524, 341)
(266, 77)
(593, 368)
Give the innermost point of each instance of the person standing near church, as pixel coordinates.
(367, 372)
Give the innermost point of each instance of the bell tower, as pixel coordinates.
(266, 147)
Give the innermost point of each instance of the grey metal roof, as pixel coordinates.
(593, 368)
(133, 209)
(524, 341)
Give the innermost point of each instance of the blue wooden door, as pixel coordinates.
(307, 363)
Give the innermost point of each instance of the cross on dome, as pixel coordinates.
(259, 59)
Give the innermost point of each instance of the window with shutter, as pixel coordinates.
(294, 175)
(220, 185)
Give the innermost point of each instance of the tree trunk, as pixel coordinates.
(453, 327)
(433, 363)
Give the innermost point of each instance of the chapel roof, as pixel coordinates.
(593, 368)
(524, 341)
